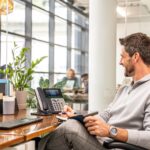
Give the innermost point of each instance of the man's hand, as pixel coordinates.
(96, 126)
(69, 112)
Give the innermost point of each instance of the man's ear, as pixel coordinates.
(136, 57)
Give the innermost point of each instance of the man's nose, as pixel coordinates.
(121, 62)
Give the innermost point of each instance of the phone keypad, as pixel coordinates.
(58, 104)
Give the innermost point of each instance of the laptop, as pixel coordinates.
(69, 84)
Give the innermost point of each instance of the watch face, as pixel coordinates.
(113, 131)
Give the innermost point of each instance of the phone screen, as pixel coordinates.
(52, 93)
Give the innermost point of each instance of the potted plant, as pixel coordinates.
(31, 98)
(44, 83)
(19, 75)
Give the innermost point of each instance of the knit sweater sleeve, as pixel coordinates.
(106, 114)
(142, 137)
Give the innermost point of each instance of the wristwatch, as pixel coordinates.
(113, 131)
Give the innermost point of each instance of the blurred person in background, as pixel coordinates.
(84, 82)
(71, 81)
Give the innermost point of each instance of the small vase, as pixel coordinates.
(21, 99)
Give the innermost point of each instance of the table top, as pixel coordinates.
(28, 132)
(8, 140)
(77, 98)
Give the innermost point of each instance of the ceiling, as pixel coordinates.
(133, 8)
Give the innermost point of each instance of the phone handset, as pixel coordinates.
(41, 99)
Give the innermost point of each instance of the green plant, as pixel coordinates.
(44, 83)
(60, 84)
(31, 98)
(17, 73)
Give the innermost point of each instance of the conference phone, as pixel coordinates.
(50, 100)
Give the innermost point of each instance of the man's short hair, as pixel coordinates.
(84, 75)
(137, 42)
(71, 70)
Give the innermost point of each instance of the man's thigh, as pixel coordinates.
(72, 135)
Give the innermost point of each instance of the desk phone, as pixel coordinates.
(50, 100)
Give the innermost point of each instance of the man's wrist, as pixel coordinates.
(118, 133)
(113, 131)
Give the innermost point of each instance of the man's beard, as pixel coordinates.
(129, 72)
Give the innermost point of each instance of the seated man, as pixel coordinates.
(126, 119)
(84, 82)
(71, 80)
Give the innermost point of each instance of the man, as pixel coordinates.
(84, 82)
(126, 119)
(71, 80)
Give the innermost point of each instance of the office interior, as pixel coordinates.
(78, 34)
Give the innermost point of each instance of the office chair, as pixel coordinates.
(121, 145)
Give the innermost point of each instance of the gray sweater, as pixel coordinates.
(131, 110)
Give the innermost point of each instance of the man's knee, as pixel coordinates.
(71, 126)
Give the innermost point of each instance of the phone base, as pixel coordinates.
(41, 113)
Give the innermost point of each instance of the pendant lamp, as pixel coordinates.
(6, 7)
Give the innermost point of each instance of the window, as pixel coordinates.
(76, 60)
(58, 77)
(42, 3)
(40, 24)
(6, 47)
(60, 10)
(60, 31)
(16, 19)
(76, 37)
(40, 49)
(37, 76)
(60, 59)
(49, 28)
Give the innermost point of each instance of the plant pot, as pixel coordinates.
(21, 97)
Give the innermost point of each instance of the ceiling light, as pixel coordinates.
(121, 11)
